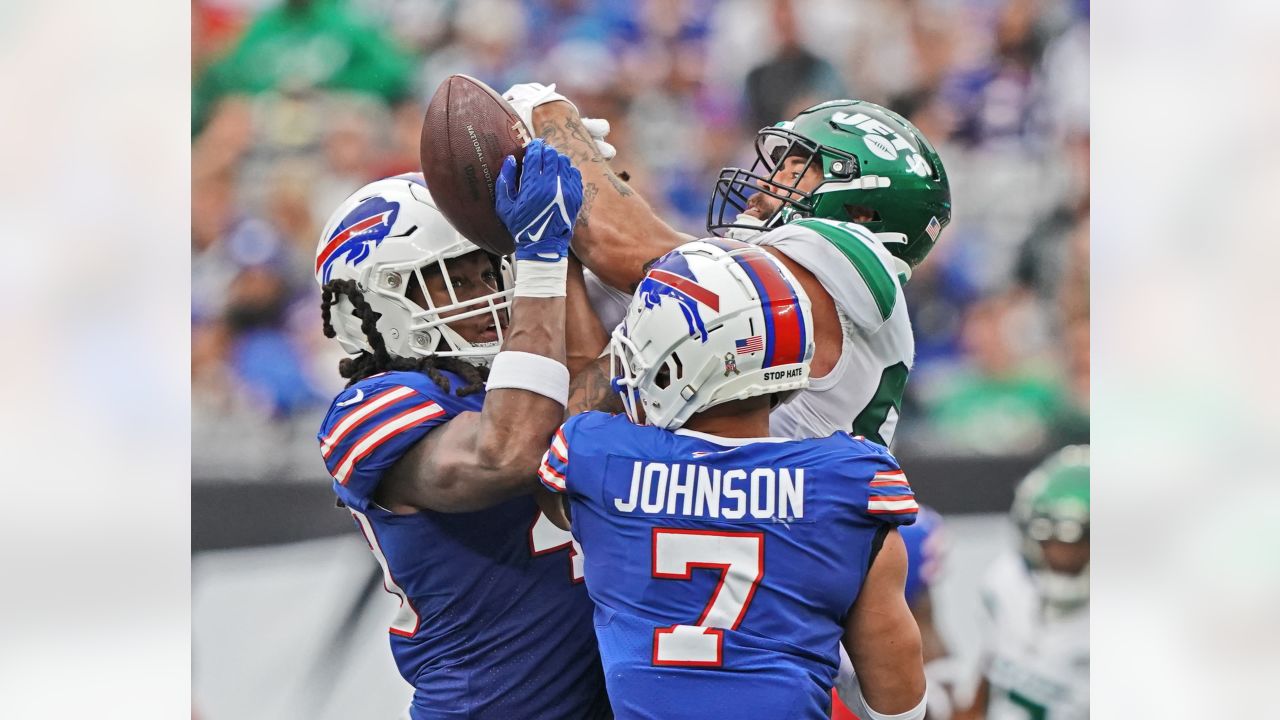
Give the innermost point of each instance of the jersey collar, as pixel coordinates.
(729, 442)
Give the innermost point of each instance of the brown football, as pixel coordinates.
(467, 133)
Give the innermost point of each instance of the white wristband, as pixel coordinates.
(527, 371)
(862, 710)
(850, 692)
(541, 279)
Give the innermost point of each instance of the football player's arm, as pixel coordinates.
(934, 646)
(882, 638)
(617, 231)
(585, 341)
(584, 336)
(554, 506)
(592, 389)
(479, 459)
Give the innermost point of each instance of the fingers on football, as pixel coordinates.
(533, 159)
(507, 181)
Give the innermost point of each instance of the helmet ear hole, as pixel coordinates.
(662, 379)
(861, 214)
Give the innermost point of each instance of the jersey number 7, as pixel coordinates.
(740, 559)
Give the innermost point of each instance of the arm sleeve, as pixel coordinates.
(554, 471)
(367, 430)
(890, 498)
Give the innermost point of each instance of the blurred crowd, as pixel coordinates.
(296, 103)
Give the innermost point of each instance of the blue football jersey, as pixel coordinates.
(494, 621)
(722, 571)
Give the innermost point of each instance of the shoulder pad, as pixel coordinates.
(828, 248)
(371, 424)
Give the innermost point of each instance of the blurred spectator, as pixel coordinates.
(489, 36)
(793, 79)
(998, 404)
(261, 353)
(303, 45)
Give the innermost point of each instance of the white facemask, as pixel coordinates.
(486, 349)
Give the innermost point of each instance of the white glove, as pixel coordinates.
(524, 97)
(598, 128)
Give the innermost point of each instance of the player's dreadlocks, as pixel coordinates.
(365, 364)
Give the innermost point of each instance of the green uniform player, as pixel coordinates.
(1035, 659)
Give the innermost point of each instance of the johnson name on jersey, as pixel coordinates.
(722, 570)
(493, 620)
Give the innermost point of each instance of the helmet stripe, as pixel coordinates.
(785, 339)
(346, 234)
(688, 287)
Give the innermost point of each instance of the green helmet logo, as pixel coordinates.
(846, 160)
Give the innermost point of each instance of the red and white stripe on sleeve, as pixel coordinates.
(555, 463)
(890, 494)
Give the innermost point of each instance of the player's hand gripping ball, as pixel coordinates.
(467, 131)
(540, 208)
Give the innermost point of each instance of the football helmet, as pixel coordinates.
(874, 164)
(723, 319)
(383, 237)
(1052, 503)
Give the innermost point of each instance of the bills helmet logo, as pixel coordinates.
(359, 232)
(670, 277)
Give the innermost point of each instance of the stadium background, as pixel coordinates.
(297, 104)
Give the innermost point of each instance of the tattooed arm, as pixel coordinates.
(592, 389)
(584, 336)
(617, 231)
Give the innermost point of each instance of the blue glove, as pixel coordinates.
(540, 210)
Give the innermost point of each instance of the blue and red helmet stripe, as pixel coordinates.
(785, 337)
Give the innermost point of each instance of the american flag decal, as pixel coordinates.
(755, 343)
(933, 229)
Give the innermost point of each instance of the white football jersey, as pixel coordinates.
(1037, 664)
(863, 393)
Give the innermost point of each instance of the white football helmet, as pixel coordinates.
(726, 320)
(382, 237)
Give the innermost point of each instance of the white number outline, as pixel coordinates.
(545, 538)
(730, 575)
(406, 621)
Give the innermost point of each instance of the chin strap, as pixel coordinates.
(484, 352)
(900, 266)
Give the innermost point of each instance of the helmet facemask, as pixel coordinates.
(878, 171)
(627, 369)
(1061, 591)
(380, 245)
(730, 200)
(427, 329)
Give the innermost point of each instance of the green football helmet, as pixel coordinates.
(875, 164)
(1052, 503)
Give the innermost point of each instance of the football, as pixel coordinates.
(467, 132)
